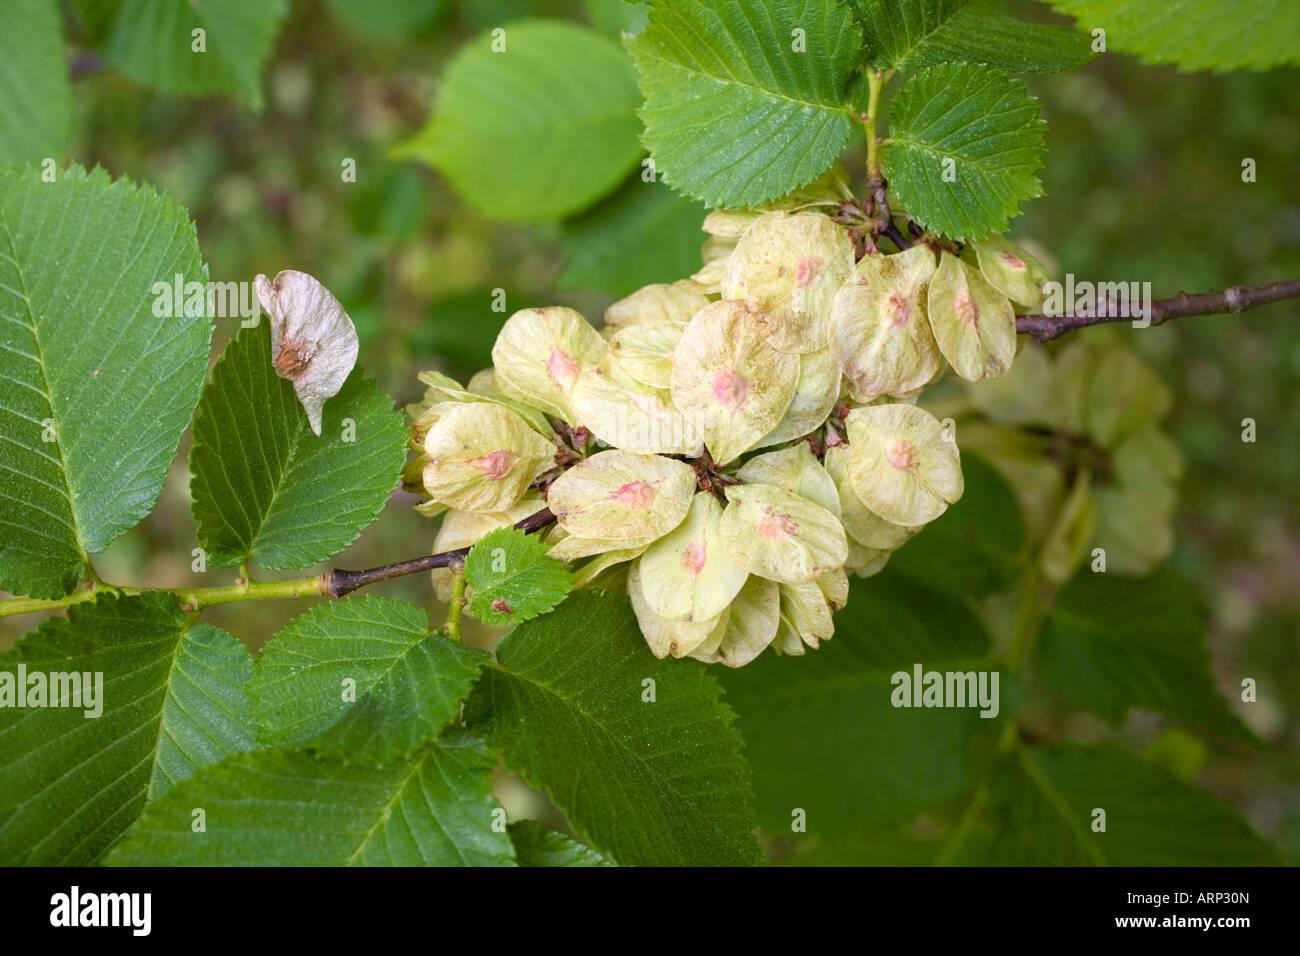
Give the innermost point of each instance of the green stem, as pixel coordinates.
(875, 81)
(1022, 638)
(192, 599)
(457, 603)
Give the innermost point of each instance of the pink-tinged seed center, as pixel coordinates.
(898, 308)
(693, 558)
(495, 465)
(968, 313)
(562, 368)
(729, 389)
(805, 270)
(772, 526)
(1014, 262)
(901, 455)
(634, 494)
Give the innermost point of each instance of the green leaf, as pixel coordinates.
(1112, 643)
(364, 677)
(734, 115)
(264, 486)
(607, 249)
(535, 845)
(973, 549)
(84, 361)
(909, 34)
(560, 96)
(615, 16)
(988, 126)
(1196, 34)
(653, 782)
(35, 96)
(513, 579)
(1042, 807)
(291, 808)
(173, 700)
(391, 20)
(153, 41)
(821, 732)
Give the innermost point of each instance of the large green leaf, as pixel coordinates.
(513, 579)
(174, 700)
(153, 41)
(538, 131)
(821, 732)
(1196, 34)
(278, 808)
(265, 486)
(909, 34)
(363, 677)
(95, 389)
(651, 781)
(1041, 812)
(966, 144)
(35, 97)
(735, 115)
(644, 233)
(1112, 643)
(535, 845)
(973, 549)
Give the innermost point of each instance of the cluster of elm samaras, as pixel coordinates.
(727, 447)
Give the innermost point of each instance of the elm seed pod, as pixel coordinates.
(481, 388)
(626, 414)
(805, 607)
(780, 535)
(569, 547)
(686, 575)
(482, 457)
(902, 464)
(645, 350)
(622, 496)
(728, 382)
(863, 525)
(660, 302)
(751, 624)
(540, 353)
(665, 636)
(716, 254)
(815, 393)
(730, 223)
(973, 323)
(793, 469)
(787, 269)
(313, 341)
(835, 588)
(1011, 270)
(879, 332)
(864, 562)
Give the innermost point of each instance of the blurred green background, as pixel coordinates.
(1143, 182)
